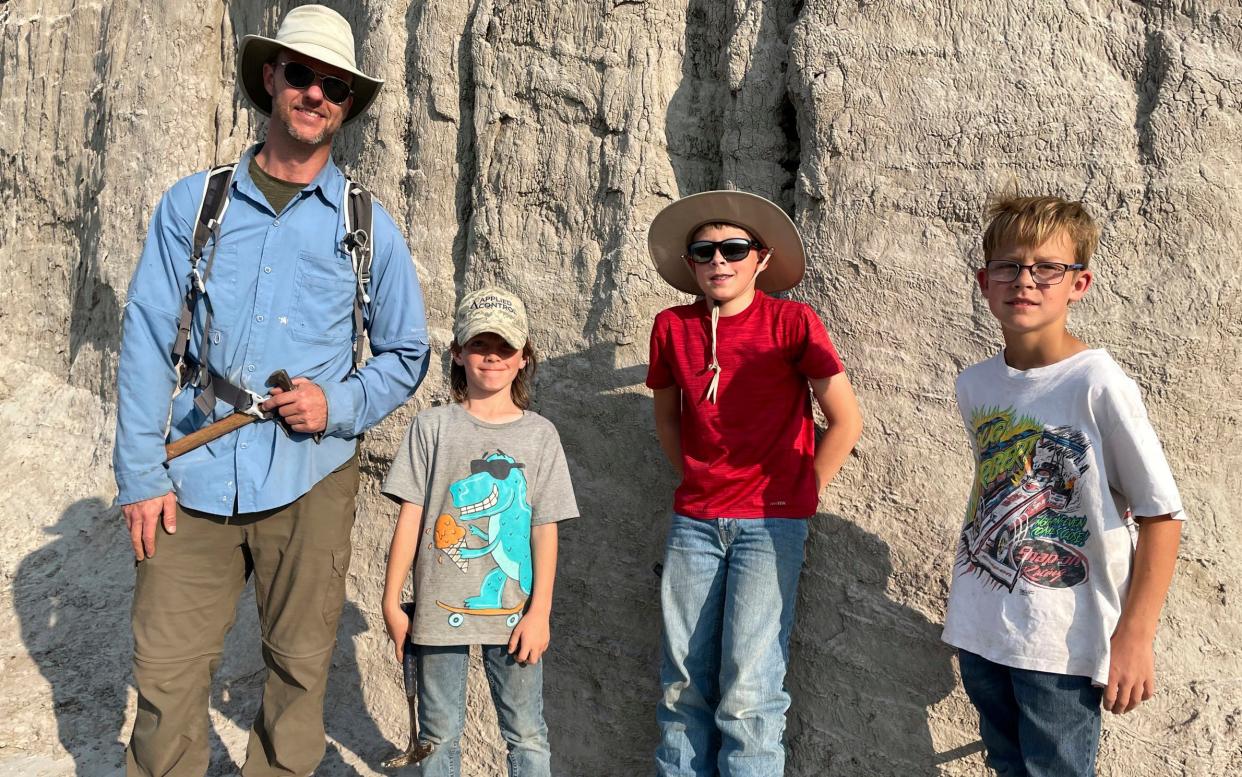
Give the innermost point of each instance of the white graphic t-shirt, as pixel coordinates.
(1064, 459)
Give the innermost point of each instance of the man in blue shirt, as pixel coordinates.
(262, 500)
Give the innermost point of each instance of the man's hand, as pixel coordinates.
(305, 409)
(143, 517)
(398, 624)
(1131, 673)
(530, 638)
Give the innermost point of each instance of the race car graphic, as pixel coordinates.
(1022, 522)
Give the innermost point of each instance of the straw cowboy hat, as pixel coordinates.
(316, 32)
(673, 227)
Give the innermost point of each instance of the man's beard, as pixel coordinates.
(285, 115)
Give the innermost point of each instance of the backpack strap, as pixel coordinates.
(358, 219)
(359, 215)
(211, 208)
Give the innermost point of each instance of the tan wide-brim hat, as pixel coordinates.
(313, 31)
(673, 227)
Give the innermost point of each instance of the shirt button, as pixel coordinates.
(276, 223)
(244, 446)
(259, 319)
(249, 368)
(267, 269)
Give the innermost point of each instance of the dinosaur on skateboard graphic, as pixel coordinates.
(457, 615)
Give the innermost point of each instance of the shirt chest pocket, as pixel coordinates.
(323, 300)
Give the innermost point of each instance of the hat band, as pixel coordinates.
(312, 46)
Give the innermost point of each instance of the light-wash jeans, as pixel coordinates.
(727, 594)
(516, 690)
(1033, 724)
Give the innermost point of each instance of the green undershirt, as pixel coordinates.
(277, 192)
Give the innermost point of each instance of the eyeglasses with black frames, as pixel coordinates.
(735, 249)
(1044, 273)
(301, 76)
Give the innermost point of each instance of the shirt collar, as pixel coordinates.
(329, 184)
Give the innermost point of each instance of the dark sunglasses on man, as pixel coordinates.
(735, 249)
(301, 76)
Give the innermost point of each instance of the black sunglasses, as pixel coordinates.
(497, 468)
(300, 76)
(735, 249)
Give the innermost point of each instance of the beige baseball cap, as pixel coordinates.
(316, 32)
(491, 309)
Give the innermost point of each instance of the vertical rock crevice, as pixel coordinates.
(467, 158)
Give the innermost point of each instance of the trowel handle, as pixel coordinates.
(409, 668)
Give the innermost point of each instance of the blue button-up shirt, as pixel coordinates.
(281, 290)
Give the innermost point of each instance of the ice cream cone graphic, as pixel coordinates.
(450, 537)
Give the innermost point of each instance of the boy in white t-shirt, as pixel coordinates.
(1072, 529)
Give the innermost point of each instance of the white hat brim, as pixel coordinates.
(256, 50)
(672, 228)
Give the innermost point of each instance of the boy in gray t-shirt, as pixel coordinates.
(488, 484)
(494, 476)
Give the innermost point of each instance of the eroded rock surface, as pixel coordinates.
(530, 143)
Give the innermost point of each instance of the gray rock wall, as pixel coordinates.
(530, 143)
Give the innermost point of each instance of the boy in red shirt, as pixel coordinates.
(733, 375)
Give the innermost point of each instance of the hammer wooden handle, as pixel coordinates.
(205, 435)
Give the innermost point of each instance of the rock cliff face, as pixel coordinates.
(530, 143)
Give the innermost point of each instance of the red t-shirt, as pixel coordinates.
(751, 453)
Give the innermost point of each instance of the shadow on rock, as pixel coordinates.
(72, 597)
(865, 669)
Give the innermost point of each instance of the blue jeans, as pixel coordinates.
(516, 690)
(1033, 724)
(727, 595)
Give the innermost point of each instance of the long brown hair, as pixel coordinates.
(520, 389)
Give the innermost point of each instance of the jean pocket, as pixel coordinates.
(323, 300)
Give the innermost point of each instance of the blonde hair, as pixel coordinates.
(1032, 221)
(520, 389)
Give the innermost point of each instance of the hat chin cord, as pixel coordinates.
(715, 365)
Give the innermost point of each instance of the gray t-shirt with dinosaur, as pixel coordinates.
(482, 486)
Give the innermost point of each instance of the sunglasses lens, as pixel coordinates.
(701, 251)
(298, 76)
(335, 89)
(734, 250)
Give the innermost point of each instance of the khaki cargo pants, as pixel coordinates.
(184, 602)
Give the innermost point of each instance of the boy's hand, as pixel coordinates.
(398, 624)
(530, 638)
(1131, 672)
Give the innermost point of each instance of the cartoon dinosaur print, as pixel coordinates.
(495, 490)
